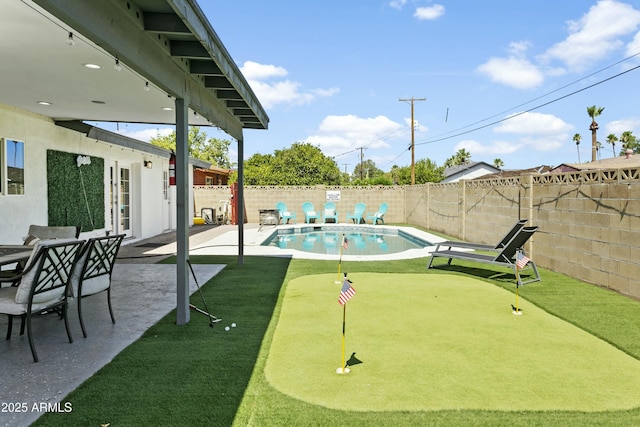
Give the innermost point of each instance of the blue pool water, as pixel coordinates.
(361, 240)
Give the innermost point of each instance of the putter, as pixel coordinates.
(212, 319)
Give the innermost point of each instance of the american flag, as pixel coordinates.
(346, 292)
(521, 260)
(345, 242)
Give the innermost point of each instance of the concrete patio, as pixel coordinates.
(142, 293)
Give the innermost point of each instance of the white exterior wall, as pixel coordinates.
(39, 134)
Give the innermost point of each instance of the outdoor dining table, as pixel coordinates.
(10, 254)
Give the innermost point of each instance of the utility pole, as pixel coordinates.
(413, 151)
(361, 164)
(345, 167)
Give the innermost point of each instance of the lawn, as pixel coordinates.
(193, 375)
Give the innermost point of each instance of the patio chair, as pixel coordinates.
(330, 212)
(505, 258)
(285, 214)
(379, 215)
(42, 286)
(92, 273)
(358, 213)
(480, 246)
(38, 232)
(310, 213)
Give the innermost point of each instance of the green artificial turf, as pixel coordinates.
(193, 375)
(440, 342)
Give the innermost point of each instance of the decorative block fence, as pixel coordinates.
(589, 221)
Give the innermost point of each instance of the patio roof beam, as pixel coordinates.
(121, 33)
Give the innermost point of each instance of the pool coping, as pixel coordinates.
(227, 243)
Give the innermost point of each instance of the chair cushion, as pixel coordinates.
(47, 232)
(329, 212)
(94, 285)
(286, 213)
(31, 240)
(8, 304)
(311, 213)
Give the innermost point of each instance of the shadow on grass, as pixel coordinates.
(184, 375)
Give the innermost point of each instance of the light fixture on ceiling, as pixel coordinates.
(46, 103)
(70, 40)
(92, 66)
(146, 87)
(167, 109)
(117, 67)
(96, 101)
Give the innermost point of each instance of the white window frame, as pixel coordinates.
(4, 166)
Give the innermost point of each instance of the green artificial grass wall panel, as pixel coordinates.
(75, 194)
(440, 342)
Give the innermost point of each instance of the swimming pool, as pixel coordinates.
(362, 240)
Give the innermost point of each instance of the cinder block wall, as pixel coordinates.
(589, 221)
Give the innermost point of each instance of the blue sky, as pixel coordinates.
(332, 73)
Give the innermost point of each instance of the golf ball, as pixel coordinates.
(226, 328)
(233, 325)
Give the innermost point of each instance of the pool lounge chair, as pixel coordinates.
(358, 213)
(505, 258)
(285, 214)
(379, 215)
(310, 213)
(330, 212)
(481, 246)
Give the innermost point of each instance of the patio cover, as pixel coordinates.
(167, 46)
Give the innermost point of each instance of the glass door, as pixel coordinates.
(120, 199)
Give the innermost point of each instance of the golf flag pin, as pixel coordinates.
(346, 293)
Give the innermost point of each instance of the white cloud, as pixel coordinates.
(513, 71)
(397, 4)
(271, 90)
(494, 148)
(538, 131)
(147, 134)
(533, 123)
(634, 47)
(255, 71)
(429, 12)
(339, 134)
(618, 126)
(595, 35)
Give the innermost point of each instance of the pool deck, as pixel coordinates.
(226, 243)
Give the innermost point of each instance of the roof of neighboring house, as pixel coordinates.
(632, 160)
(517, 172)
(461, 170)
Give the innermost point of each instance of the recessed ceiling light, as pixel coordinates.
(44, 103)
(167, 109)
(92, 66)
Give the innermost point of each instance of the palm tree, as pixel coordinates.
(576, 139)
(611, 139)
(498, 163)
(594, 112)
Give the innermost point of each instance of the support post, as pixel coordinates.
(240, 213)
(182, 211)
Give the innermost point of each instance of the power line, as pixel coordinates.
(529, 110)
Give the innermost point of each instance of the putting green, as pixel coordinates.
(436, 342)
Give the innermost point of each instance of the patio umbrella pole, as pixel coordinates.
(212, 319)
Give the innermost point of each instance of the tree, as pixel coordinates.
(301, 164)
(594, 112)
(498, 163)
(629, 141)
(211, 150)
(366, 170)
(611, 139)
(425, 169)
(576, 139)
(462, 157)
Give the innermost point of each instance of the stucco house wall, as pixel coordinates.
(152, 214)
